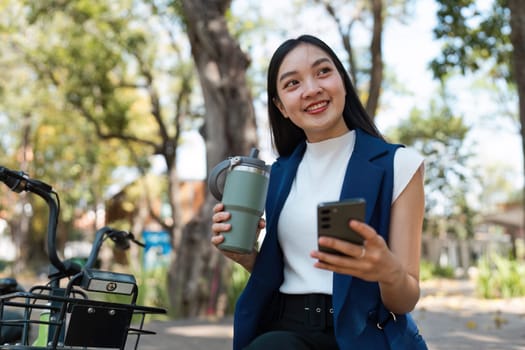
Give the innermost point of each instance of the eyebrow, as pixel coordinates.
(316, 63)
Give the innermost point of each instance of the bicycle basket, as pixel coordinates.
(73, 321)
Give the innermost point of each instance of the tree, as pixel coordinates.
(374, 71)
(90, 78)
(102, 63)
(200, 271)
(367, 74)
(39, 142)
(439, 137)
(517, 38)
(474, 40)
(112, 76)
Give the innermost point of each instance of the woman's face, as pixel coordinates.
(311, 93)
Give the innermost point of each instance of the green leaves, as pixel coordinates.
(440, 136)
(472, 37)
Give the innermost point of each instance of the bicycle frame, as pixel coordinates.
(69, 316)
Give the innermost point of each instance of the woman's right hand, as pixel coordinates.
(219, 228)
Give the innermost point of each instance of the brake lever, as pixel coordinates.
(132, 238)
(122, 239)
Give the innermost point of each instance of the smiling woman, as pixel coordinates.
(299, 297)
(312, 97)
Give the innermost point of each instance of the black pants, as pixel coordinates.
(305, 323)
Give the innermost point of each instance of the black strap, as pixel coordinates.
(316, 309)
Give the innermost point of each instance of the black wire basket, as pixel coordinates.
(74, 320)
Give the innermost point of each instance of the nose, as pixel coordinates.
(311, 88)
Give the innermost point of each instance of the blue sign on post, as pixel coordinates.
(157, 250)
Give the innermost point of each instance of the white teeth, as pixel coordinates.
(317, 105)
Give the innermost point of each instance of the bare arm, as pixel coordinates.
(394, 267)
(400, 292)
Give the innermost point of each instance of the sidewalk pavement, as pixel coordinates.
(451, 317)
(448, 316)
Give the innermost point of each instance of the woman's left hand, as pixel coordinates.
(372, 261)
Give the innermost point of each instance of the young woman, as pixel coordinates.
(329, 149)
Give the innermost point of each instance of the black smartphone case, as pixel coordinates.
(333, 218)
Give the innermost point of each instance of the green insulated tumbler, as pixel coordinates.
(244, 197)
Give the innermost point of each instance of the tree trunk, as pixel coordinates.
(517, 37)
(23, 231)
(198, 271)
(376, 52)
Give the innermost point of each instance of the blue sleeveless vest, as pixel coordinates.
(357, 303)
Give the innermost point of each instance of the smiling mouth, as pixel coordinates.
(316, 106)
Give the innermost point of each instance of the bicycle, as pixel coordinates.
(65, 311)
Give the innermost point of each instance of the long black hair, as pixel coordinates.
(285, 134)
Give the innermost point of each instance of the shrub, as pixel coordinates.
(239, 278)
(500, 277)
(428, 270)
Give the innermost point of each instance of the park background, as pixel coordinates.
(122, 106)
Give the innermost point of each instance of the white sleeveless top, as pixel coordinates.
(320, 178)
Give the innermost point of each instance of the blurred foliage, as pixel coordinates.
(429, 271)
(439, 135)
(238, 280)
(476, 38)
(152, 287)
(500, 277)
(89, 91)
(473, 36)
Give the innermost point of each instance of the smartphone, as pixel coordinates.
(333, 218)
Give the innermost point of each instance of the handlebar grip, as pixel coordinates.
(16, 181)
(19, 181)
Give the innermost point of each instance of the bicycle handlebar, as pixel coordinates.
(121, 239)
(60, 300)
(19, 181)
